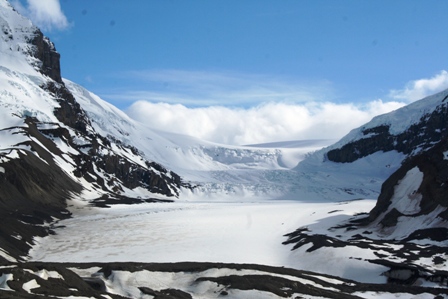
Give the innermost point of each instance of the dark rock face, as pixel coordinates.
(426, 146)
(154, 177)
(431, 128)
(70, 112)
(32, 192)
(45, 52)
(434, 188)
(277, 282)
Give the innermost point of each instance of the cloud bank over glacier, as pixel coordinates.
(267, 122)
(269, 110)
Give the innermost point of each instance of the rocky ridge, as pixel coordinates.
(407, 230)
(423, 131)
(50, 151)
(188, 280)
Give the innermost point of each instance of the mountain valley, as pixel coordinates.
(96, 205)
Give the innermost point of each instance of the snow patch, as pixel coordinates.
(44, 274)
(126, 283)
(85, 272)
(4, 281)
(6, 256)
(28, 286)
(407, 225)
(382, 295)
(406, 198)
(349, 262)
(318, 178)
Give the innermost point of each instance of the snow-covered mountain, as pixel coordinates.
(213, 170)
(64, 150)
(407, 230)
(60, 141)
(357, 165)
(49, 150)
(407, 147)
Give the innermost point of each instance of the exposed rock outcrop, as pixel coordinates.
(210, 280)
(418, 137)
(33, 193)
(45, 52)
(407, 230)
(432, 192)
(120, 171)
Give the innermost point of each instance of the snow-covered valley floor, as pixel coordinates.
(230, 232)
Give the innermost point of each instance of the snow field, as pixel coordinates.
(375, 295)
(230, 232)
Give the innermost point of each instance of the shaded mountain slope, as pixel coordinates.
(357, 165)
(49, 151)
(404, 237)
(426, 123)
(421, 183)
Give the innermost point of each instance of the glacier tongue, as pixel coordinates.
(216, 170)
(223, 171)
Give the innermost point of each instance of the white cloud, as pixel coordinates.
(267, 122)
(46, 14)
(235, 108)
(418, 89)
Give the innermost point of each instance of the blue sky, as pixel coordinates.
(190, 57)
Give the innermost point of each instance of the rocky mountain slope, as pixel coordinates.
(407, 230)
(368, 155)
(61, 142)
(49, 150)
(411, 141)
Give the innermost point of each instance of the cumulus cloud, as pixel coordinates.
(46, 14)
(267, 122)
(271, 110)
(418, 89)
(235, 108)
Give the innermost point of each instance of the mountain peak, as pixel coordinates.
(49, 150)
(23, 43)
(408, 130)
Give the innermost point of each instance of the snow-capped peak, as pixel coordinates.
(16, 32)
(400, 120)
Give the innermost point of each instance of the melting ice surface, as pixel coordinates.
(233, 232)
